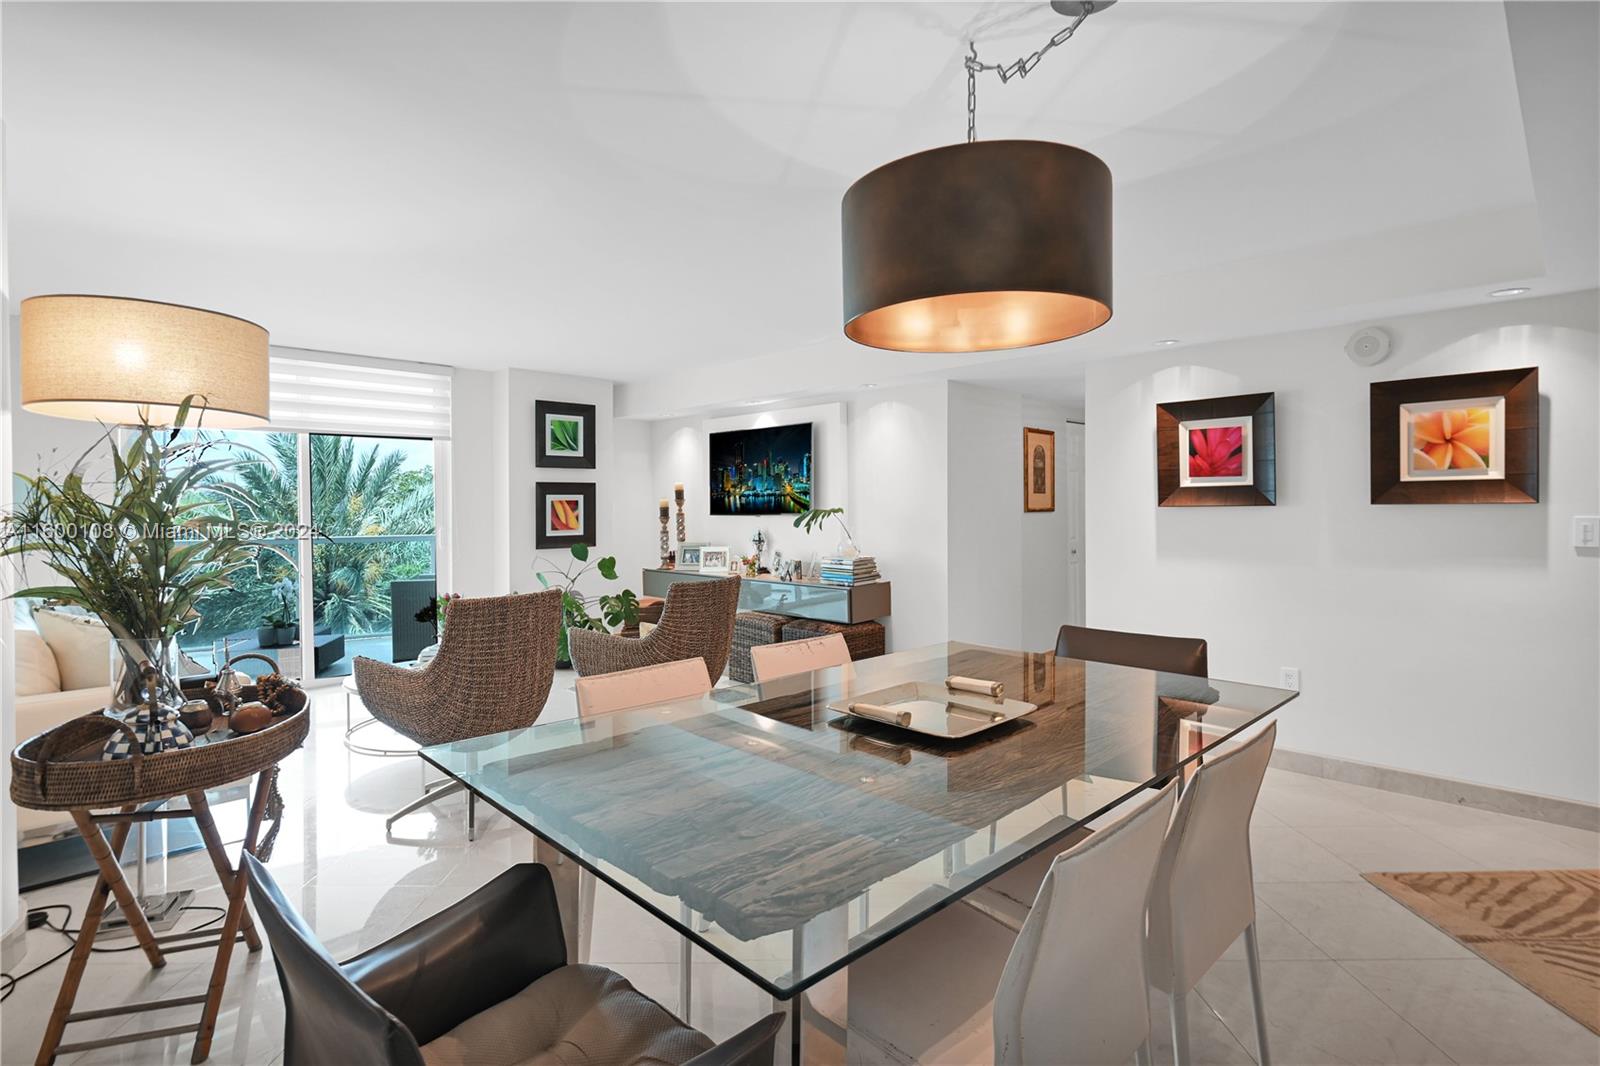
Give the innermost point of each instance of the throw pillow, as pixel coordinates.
(36, 667)
(81, 645)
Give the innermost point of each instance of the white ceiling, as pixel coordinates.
(650, 192)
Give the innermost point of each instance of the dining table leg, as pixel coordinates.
(567, 876)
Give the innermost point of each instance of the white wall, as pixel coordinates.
(10, 902)
(511, 507)
(1009, 569)
(1458, 641)
(471, 450)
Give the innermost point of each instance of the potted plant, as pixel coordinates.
(435, 613)
(277, 629)
(809, 520)
(141, 548)
(617, 609)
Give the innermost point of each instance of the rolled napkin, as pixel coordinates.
(881, 714)
(994, 689)
(974, 713)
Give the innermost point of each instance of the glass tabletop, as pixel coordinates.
(787, 838)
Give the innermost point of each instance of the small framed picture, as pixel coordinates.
(1216, 451)
(566, 514)
(689, 557)
(565, 434)
(713, 560)
(1038, 469)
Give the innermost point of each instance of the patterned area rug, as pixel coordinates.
(1542, 927)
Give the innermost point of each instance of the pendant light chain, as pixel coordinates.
(1019, 68)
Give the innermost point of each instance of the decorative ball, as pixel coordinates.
(250, 717)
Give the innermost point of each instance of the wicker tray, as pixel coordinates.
(61, 769)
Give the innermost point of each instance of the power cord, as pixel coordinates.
(39, 918)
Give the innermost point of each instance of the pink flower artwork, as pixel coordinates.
(1217, 451)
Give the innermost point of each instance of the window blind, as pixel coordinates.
(324, 392)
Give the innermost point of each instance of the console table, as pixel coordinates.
(845, 604)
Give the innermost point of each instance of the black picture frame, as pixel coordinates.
(543, 491)
(1261, 409)
(543, 411)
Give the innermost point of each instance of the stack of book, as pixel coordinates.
(856, 570)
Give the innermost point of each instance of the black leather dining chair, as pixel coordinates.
(483, 982)
(1147, 651)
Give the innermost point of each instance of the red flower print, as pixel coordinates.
(1216, 452)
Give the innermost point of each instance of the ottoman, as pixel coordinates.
(864, 639)
(749, 629)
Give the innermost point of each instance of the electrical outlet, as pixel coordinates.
(1289, 677)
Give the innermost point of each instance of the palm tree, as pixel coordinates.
(355, 492)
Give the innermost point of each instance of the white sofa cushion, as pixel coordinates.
(81, 645)
(37, 672)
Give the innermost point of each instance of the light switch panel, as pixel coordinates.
(1586, 531)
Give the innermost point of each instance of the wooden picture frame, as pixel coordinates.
(1038, 469)
(548, 528)
(555, 444)
(1510, 400)
(1253, 484)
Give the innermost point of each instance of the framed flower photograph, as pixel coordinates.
(1458, 438)
(1038, 469)
(1220, 452)
(565, 434)
(1216, 451)
(565, 514)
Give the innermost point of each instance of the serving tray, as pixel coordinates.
(929, 708)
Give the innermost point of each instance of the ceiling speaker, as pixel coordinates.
(1367, 347)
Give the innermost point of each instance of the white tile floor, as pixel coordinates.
(1352, 977)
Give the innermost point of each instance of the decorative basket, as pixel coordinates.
(61, 770)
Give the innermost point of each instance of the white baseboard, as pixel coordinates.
(13, 943)
(1444, 789)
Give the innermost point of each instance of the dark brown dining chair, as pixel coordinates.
(484, 980)
(1146, 651)
(496, 662)
(696, 623)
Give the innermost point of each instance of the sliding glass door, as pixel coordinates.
(357, 515)
(371, 502)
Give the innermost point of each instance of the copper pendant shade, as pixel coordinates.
(978, 247)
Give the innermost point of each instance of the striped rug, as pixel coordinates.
(1542, 927)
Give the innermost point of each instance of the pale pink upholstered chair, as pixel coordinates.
(626, 689)
(799, 656)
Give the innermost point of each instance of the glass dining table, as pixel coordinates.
(787, 838)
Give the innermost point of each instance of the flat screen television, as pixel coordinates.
(762, 471)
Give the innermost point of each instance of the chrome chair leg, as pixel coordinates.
(472, 815)
(1180, 1028)
(437, 791)
(685, 964)
(1252, 953)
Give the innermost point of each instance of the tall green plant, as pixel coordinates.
(141, 550)
(616, 609)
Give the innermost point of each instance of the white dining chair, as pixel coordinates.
(799, 656)
(1204, 892)
(640, 687)
(1069, 986)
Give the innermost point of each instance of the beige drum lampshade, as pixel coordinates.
(122, 361)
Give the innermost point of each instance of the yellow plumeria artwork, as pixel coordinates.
(1454, 439)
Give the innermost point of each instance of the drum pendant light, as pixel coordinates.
(980, 246)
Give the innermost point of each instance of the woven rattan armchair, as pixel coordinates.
(696, 623)
(497, 658)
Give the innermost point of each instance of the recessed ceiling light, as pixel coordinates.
(869, 386)
(1166, 342)
(1515, 290)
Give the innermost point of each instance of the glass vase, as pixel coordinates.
(129, 682)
